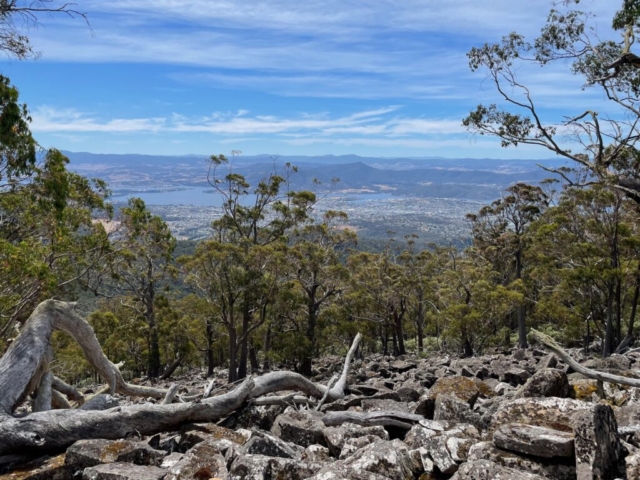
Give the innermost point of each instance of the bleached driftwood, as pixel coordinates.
(552, 345)
(369, 419)
(25, 365)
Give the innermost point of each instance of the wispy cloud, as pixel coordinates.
(382, 122)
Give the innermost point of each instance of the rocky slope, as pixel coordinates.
(521, 416)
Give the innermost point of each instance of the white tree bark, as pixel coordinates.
(24, 368)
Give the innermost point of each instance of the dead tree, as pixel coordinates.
(24, 369)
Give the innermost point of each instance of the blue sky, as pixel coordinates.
(369, 77)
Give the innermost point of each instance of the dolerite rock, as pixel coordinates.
(340, 471)
(409, 394)
(87, 453)
(633, 466)
(546, 382)
(597, 447)
(302, 427)
(418, 435)
(316, 453)
(488, 470)
(123, 471)
(551, 469)
(391, 459)
(536, 441)
(335, 437)
(194, 433)
(449, 407)
(548, 361)
(259, 467)
(515, 376)
(448, 453)
(51, 468)
(202, 461)
(613, 362)
(464, 388)
(270, 446)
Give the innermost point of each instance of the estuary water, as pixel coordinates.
(199, 197)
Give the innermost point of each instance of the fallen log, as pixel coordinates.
(552, 345)
(370, 419)
(25, 365)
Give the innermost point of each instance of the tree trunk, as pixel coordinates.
(233, 350)
(210, 357)
(310, 334)
(154, 347)
(244, 342)
(171, 368)
(25, 365)
(397, 318)
(634, 305)
(608, 337)
(420, 325)
(522, 328)
(253, 357)
(267, 348)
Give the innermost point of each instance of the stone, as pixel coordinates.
(449, 407)
(548, 361)
(408, 394)
(44, 468)
(551, 469)
(515, 376)
(302, 427)
(546, 382)
(335, 437)
(260, 467)
(441, 456)
(418, 435)
(488, 470)
(87, 453)
(339, 471)
(316, 453)
(194, 433)
(597, 446)
(123, 471)
(269, 446)
(633, 465)
(203, 461)
(376, 405)
(464, 388)
(536, 441)
(391, 459)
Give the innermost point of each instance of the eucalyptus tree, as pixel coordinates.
(603, 144)
(318, 275)
(240, 267)
(500, 233)
(142, 266)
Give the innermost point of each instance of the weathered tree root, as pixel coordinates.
(25, 365)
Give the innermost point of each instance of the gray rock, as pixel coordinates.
(488, 470)
(202, 461)
(301, 427)
(87, 453)
(270, 446)
(391, 459)
(259, 467)
(123, 471)
(546, 382)
(541, 412)
(339, 471)
(551, 469)
(316, 453)
(548, 361)
(515, 376)
(377, 405)
(449, 407)
(335, 437)
(418, 435)
(597, 446)
(536, 441)
(633, 465)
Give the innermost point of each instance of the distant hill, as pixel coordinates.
(480, 179)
